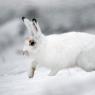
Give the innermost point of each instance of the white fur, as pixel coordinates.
(60, 51)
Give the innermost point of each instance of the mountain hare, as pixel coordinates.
(58, 51)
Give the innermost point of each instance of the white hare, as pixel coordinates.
(59, 51)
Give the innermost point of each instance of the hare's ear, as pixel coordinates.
(36, 27)
(28, 24)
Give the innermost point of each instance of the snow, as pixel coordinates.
(10, 27)
(14, 79)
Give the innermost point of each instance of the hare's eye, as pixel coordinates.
(31, 43)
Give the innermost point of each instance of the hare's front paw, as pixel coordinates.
(31, 74)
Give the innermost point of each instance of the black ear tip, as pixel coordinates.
(34, 20)
(23, 18)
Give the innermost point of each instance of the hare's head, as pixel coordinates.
(33, 41)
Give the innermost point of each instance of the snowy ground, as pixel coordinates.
(14, 80)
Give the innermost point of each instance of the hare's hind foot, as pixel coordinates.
(53, 72)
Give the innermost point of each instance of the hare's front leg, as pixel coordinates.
(32, 69)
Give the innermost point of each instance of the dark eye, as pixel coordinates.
(31, 43)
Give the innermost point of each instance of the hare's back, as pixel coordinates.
(62, 39)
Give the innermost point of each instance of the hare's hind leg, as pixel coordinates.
(53, 72)
(32, 69)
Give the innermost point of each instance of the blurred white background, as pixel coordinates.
(54, 16)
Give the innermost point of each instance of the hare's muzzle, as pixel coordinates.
(23, 52)
(26, 53)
